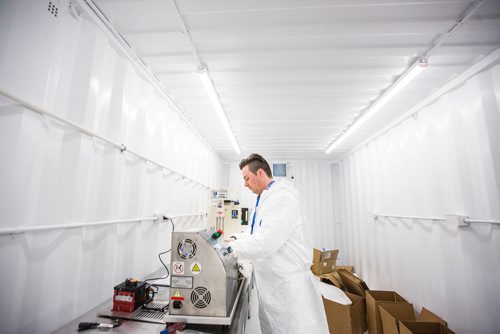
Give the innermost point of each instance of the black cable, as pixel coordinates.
(159, 256)
(173, 226)
(168, 272)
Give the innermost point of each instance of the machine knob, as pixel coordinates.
(131, 282)
(217, 234)
(177, 304)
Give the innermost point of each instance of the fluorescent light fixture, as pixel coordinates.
(415, 70)
(214, 98)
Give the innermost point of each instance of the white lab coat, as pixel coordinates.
(289, 298)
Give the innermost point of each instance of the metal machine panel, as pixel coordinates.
(204, 274)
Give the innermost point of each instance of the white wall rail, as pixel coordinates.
(201, 214)
(119, 146)
(455, 219)
(159, 218)
(486, 221)
(377, 216)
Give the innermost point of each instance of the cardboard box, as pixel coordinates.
(348, 268)
(331, 278)
(426, 315)
(324, 267)
(324, 261)
(392, 313)
(353, 283)
(336, 277)
(344, 319)
(422, 327)
(395, 314)
(322, 256)
(373, 299)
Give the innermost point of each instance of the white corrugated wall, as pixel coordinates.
(51, 174)
(446, 161)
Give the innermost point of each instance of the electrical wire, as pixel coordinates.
(163, 263)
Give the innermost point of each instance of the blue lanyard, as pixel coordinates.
(257, 204)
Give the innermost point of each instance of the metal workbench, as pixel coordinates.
(233, 324)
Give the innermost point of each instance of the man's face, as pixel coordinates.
(252, 181)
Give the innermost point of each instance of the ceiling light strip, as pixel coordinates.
(219, 110)
(214, 98)
(409, 75)
(446, 88)
(207, 82)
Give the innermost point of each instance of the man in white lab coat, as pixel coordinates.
(277, 243)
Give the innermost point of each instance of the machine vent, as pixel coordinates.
(149, 315)
(186, 249)
(200, 297)
(53, 9)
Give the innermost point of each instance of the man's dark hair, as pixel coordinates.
(254, 162)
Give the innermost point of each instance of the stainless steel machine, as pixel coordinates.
(206, 289)
(204, 274)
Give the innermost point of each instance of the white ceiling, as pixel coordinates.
(293, 75)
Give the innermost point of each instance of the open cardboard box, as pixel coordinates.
(331, 278)
(373, 299)
(324, 267)
(324, 261)
(321, 256)
(344, 319)
(353, 283)
(348, 268)
(420, 327)
(393, 314)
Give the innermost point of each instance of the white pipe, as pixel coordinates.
(468, 221)
(88, 132)
(408, 217)
(443, 37)
(23, 229)
(185, 31)
(186, 215)
(41, 111)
